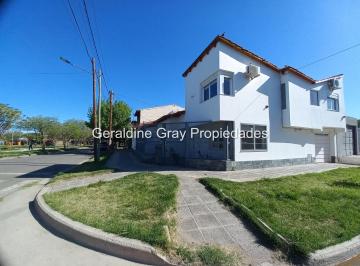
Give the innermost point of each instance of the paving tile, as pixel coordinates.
(241, 235)
(183, 212)
(188, 224)
(227, 218)
(192, 200)
(206, 220)
(181, 201)
(217, 236)
(207, 197)
(199, 209)
(216, 207)
(193, 236)
(192, 192)
(187, 192)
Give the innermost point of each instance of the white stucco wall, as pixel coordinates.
(258, 101)
(301, 114)
(196, 110)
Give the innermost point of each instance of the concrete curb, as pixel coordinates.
(96, 239)
(336, 254)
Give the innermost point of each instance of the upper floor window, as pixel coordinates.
(210, 90)
(314, 97)
(283, 96)
(333, 104)
(227, 86)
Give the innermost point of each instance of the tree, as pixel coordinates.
(75, 130)
(8, 116)
(44, 127)
(9, 136)
(121, 115)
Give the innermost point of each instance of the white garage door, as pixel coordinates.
(322, 148)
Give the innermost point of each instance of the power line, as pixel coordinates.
(331, 55)
(43, 73)
(97, 32)
(78, 28)
(94, 43)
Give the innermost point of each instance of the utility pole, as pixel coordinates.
(94, 76)
(96, 153)
(99, 105)
(110, 118)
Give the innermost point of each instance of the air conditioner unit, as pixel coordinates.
(334, 84)
(252, 71)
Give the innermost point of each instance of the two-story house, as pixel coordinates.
(231, 87)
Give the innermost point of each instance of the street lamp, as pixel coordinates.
(66, 61)
(96, 146)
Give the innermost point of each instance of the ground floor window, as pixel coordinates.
(254, 137)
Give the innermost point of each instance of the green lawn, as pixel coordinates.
(134, 206)
(312, 211)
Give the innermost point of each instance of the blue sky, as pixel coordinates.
(146, 45)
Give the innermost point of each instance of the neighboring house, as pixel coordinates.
(229, 87)
(154, 115)
(149, 115)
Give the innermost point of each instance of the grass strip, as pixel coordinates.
(311, 211)
(135, 206)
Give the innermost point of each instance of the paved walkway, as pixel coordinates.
(202, 218)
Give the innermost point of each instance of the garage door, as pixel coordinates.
(322, 148)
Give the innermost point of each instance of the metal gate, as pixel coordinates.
(349, 142)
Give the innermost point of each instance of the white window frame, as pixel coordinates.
(207, 86)
(254, 150)
(336, 102)
(318, 98)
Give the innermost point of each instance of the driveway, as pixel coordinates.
(23, 240)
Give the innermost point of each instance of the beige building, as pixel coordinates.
(149, 115)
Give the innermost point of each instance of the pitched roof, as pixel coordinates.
(222, 39)
(148, 115)
(163, 118)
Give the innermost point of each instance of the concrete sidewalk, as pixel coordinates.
(23, 241)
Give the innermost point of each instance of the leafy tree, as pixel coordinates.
(9, 136)
(8, 116)
(44, 127)
(121, 115)
(75, 130)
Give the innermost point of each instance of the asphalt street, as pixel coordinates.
(17, 170)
